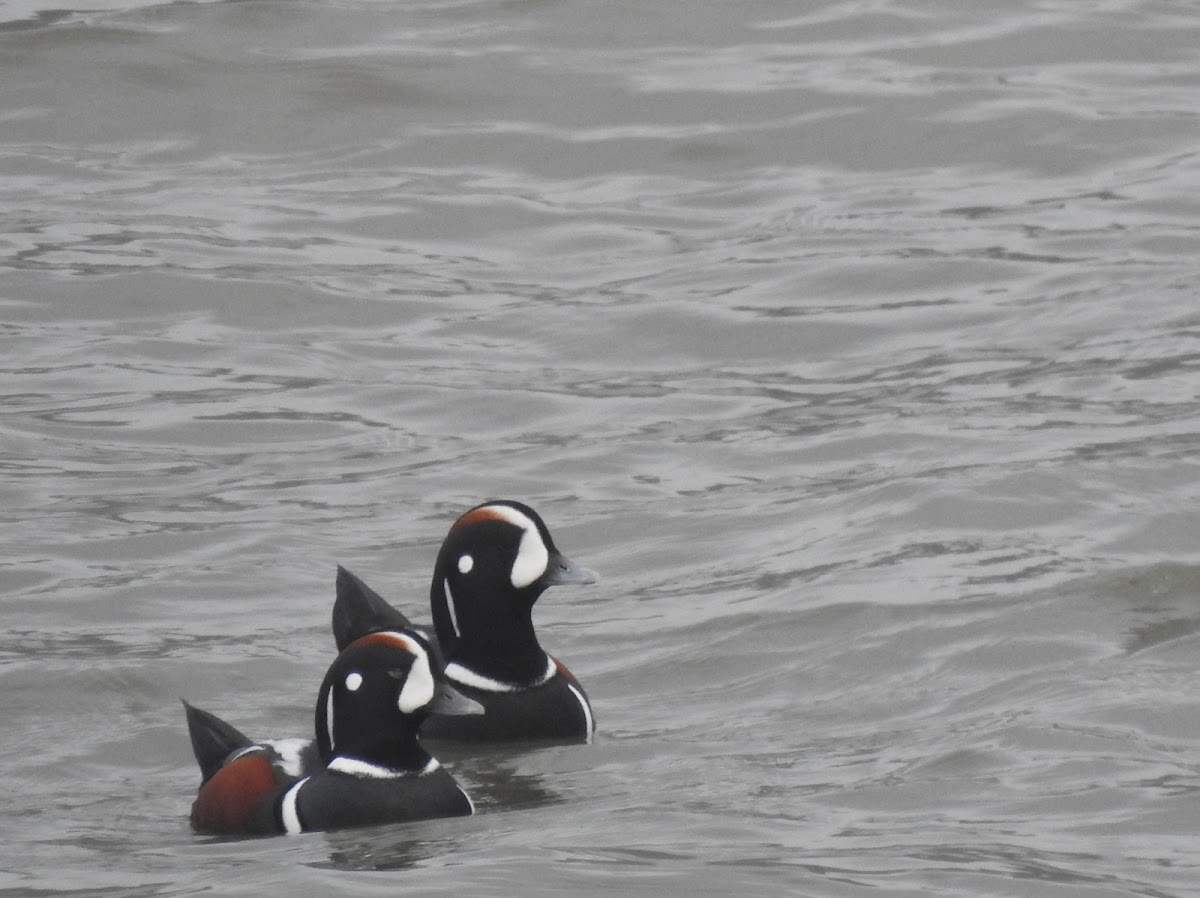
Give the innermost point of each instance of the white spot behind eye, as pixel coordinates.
(353, 681)
(465, 564)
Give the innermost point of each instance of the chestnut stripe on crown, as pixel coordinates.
(487, 513)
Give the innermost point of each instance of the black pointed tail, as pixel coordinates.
(359, 610)
(213, 740)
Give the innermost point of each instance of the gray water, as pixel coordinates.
(855, 344)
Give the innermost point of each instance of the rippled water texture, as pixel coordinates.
(856, 344)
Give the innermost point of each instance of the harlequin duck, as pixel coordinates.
(495, 562)
(371, 767)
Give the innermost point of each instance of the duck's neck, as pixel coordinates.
(511, 656)
(492, 636)
(399, 756)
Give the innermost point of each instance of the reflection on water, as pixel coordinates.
(380, 848)
(500, 778)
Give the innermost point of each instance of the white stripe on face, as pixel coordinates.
(532, 554)
(417, 691)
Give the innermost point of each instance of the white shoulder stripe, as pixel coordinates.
(588, 721)
(470, 803)
(288, 812)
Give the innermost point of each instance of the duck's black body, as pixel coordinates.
(370, 769)
(557, 709)
(495, 562)
(337, 800)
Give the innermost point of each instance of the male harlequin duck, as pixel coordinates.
(371, 767)
(495, 562)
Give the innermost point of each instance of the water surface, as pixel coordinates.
(856, 345)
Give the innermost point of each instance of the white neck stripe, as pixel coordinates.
(450, 606)
(329, 716)
(464, 676)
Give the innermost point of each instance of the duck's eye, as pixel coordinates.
(465, 563)
(353, 681)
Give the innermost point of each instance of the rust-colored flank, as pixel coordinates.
(227, 802)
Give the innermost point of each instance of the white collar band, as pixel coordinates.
(359, 767)
(464, 676)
